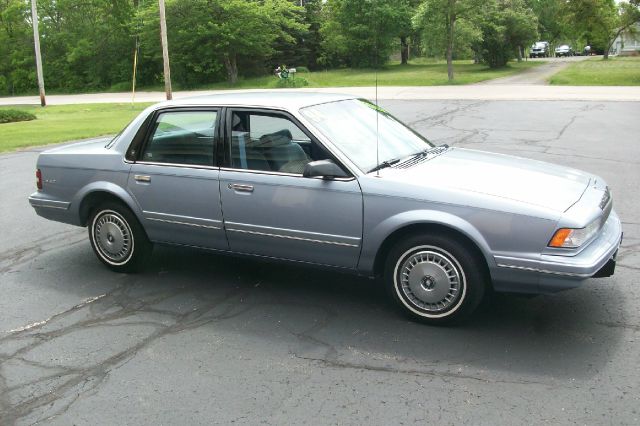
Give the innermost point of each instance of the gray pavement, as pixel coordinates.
(203, 339)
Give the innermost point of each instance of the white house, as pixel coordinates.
(627, 43)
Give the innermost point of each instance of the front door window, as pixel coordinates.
(270, 142)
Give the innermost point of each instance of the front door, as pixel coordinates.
(270, 209)
(175, 181)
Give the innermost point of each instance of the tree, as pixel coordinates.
(360, 33)
(628, 15)
(208, 35)
(447, 23)
(17, 65)
(551, 26)
(405, 27)
(593, 21)
(312, 41)
(506, 26)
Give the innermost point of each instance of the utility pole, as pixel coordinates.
(165, 51)
(36, 43)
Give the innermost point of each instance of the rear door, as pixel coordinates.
(175, 179)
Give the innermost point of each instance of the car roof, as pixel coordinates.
(291, 100)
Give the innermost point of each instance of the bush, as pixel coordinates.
(123, 86)
(14, 115)
(292, 82)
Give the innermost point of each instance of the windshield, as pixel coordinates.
(351, 126)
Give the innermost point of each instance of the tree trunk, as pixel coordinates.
(231, 65)
(451, 21)
(607, 47)
(519, 53)
(404, 50)
(613, 40)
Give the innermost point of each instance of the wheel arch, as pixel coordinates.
(456, 228)
(99, 192)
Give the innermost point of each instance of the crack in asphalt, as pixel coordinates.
(89, 377)
(633, 327)
(19, 255)
(417, 372)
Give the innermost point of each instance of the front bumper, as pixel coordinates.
(553, 273)
(590, 260)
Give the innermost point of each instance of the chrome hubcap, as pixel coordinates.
(113, 237)
(430, 280)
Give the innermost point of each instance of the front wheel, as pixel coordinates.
(435, 278)
(117, 238)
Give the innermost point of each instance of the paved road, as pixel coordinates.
(538, 75)
(518, 89)
(203, 339)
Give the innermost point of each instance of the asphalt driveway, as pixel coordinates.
(538, 75)
(203, 339)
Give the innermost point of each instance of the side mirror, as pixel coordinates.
(325, 169)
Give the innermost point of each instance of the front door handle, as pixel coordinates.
(240, 187)
(142, 178)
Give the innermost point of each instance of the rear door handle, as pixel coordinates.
(241, 188)
(142, 178)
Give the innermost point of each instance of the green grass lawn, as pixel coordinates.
(60, 123)
(416, 73)
(598, 72)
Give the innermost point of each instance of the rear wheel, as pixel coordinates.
(435, 278)
(117, 238)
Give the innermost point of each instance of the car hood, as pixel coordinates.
(519, 179)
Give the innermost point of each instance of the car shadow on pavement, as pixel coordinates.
(343, 320)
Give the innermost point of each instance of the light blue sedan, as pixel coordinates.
(338, 182)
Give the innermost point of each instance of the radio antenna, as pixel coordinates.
(375, 64)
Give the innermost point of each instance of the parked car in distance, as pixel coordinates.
(336, 182)
(564, 50)
(540, 49)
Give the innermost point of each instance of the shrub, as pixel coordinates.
(123, 86)
(292, 82)
(13, 115)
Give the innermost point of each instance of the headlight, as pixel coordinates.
(573, 238)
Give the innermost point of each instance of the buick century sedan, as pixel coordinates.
(337, 182)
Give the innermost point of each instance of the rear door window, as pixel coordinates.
(182, 137)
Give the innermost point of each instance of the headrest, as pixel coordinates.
(279, 138)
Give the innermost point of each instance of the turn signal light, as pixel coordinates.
(560, 237)
(39, 179)
(574, 238)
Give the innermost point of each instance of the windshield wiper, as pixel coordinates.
(430, 149)
(384, 164)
